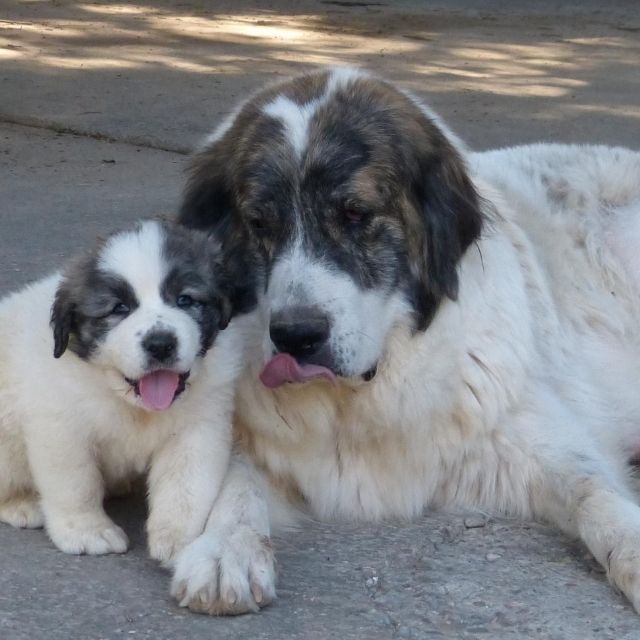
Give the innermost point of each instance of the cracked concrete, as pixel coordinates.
(113, 95)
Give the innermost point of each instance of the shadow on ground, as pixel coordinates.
(163, 73)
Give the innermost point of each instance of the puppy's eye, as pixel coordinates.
(184, 301)
(120, 309)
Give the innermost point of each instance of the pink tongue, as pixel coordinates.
(284, 368)
(158, 389)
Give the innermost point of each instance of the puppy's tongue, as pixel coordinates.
(158, 389)
(284, 368)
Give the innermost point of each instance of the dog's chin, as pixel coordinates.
(282, 368)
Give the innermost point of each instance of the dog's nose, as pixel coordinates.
(160, 345)
(299, 331)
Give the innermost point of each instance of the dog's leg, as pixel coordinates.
(577, 486)
(22, 511)
(184, 480)
(601, 515)
(230, 568)
(71, 489)
(19, 503)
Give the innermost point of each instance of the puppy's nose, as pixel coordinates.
(299, 331)
(160, 345)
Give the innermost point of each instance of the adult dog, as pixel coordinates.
(141, 381)
(445, 328)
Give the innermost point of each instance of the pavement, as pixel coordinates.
(100, 102)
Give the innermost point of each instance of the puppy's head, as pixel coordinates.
(358, 202)
(143, 306)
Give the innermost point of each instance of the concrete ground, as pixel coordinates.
(100, 101)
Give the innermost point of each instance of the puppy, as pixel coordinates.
(111, 369)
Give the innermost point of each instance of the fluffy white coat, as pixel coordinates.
(69, 428)
(520, 398)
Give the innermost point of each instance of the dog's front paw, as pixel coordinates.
(91, 535)
(225, 573)
(164, 543)
(22, 513)
(623, 570)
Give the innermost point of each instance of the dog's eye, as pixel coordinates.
(120, 309)
(353, 216)
(258, 225)
(184, 301)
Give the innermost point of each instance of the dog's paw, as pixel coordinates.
(22, 513)
(94, 536)
(623, 570)
(225, 573)
(164, 543)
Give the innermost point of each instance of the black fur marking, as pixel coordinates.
(194, 269)
(81, 313)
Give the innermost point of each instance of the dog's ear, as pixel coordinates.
(62, 318)
(241, 274)
(451, 219)
(225, 313)
(208, 200)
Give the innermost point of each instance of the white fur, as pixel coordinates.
(295, 119)
(69, 429)
(520, 398)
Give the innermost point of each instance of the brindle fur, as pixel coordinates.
(382, 193)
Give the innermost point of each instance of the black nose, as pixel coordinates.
(299, 331)
(160, 345)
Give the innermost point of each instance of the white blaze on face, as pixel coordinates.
(360, 318)
(137, 258)
(295, 119)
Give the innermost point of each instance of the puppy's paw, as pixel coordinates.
(22, 513)
(225, 573)
(94, 536)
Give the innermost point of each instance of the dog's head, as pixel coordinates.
(358, 202)
(143, 306)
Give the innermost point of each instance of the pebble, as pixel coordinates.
(369, 572)
(475, 522)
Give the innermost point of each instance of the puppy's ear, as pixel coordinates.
(208, 200)
(62, 318)
(451, 219)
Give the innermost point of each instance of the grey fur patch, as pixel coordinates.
(82, 312)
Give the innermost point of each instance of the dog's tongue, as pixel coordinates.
(284, 368)
(158, 389)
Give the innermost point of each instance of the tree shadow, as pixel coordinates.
(165, 72)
